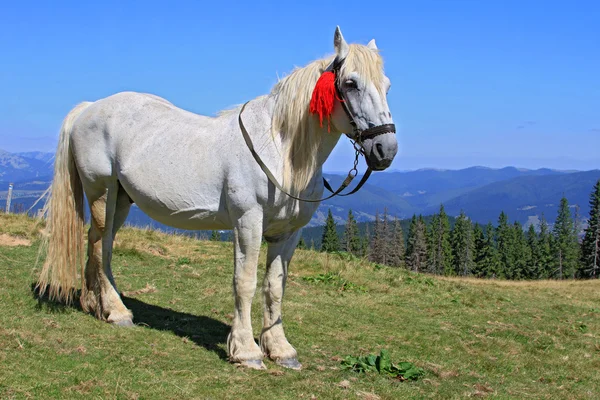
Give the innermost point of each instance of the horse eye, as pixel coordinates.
(351, 84)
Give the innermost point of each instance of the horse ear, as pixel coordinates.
(340, 45)
(372, 45)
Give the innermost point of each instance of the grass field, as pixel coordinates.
(473, 338)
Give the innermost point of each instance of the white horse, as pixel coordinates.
(195, 172)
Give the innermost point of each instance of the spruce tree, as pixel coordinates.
(505, 247)
(565, 246)
(440, 250)
(479, 241)
(486, 255)
(416, 259)
(215, 236)
(379, 244)
(386, 239)
(578, 248)
(522, 253)
(535, 270)
(546, 247)
(330, 241)
(397, 247)
(366, 242)
(463, 245)
(590, 248)
(412, 233)
(351, 240)
(431, 253)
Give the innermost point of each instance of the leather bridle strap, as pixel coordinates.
(274, 181)
(359, 135)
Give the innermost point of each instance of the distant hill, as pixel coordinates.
(525, 198)
(364, 204)
(430, 187)
(18, 167)
(480, 191)
(38, 155)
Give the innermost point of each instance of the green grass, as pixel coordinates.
(472, 338)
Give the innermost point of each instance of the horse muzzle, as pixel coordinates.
(380, 150)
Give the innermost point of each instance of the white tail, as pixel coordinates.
(65, 219)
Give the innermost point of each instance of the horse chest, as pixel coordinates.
(292, 216)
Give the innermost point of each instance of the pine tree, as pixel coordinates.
(487, 260)
(440, 250)
(565, 246)
(535, 270)
(546, 247)
(590, 248)
(351, 242)
(463, 245)
(215, 236)
(416, 257)
(330, 241)
(397, 247)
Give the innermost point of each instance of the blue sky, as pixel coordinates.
(490, 83)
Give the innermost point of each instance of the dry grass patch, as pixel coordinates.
(11, 241)
(20, 226)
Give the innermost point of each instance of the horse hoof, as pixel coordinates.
(291, 363)
(124, 323)
(252, 364)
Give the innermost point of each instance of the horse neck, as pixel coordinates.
(328, 142)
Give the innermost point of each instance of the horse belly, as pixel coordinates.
(179, 208)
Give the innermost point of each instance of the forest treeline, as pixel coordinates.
(503, 251)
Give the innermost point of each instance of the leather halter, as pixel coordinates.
(359, 135)
(357, 140)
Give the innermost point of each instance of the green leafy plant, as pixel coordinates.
(183, 261)
(333, 279)
(383, 365)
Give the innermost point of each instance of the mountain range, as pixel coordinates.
(17, 167)
(524, 194)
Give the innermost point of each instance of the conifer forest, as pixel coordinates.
(565, 250)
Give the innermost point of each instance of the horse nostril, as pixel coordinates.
(379, 150)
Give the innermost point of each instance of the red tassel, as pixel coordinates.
(323, 97)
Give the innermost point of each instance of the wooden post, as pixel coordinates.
(8, 198)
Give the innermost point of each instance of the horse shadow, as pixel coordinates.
(204, 331)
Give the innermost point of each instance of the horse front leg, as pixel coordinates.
(240, 344)
(272, 339)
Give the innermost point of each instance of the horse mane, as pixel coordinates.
(300, 130)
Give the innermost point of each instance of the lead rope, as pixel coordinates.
(351, 174)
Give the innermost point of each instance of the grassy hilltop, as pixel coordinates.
(474, 338)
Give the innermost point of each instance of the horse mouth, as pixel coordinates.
(380, 165)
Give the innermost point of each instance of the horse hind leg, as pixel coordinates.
(100, 296)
